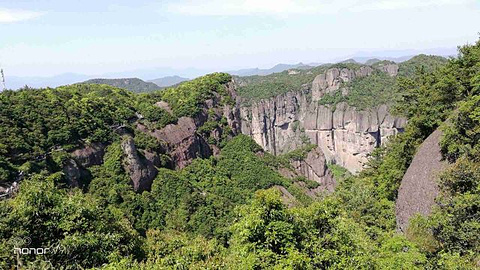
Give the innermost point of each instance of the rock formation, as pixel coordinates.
(345, 134)
(141, 170)
(314, 167)
(89, 155)
(73, 173)
(82, 158)
(182, 139)
(419, 188)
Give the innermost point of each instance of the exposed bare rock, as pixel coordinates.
(346, 135)
(189, 149)
(82, 158)
(73, 173)
(391, 69)
(287, 198)
(333, 78)
(141, 171)
(419, 188)
(182, 141)
(314, 167)
(89, 155)
(176, 133)
(164, 105)
(153, 158)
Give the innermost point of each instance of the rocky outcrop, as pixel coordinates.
(73, 173)
(333, 79)
(313, 167)
(75, 168)
(346, 135)
(418, 189)
(391, 69)
(182, 140)
(141, 170)
(89, 155)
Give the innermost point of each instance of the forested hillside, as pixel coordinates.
(230, 206)
(367, 92)
(133, 84)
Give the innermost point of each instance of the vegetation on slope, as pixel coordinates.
(38, 125)
(261, 87)
(427, 62)
(365, 92)
(133, 84)
(187, 98)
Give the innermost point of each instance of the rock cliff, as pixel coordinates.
(313, 167)
(75, 168)
(183, 140)
(140, 169)
(345, 134)
(418, 189)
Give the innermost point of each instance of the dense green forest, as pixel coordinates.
(225, 212)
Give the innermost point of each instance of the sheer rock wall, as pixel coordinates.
(345, 134)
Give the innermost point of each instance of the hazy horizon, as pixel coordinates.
(47, 38)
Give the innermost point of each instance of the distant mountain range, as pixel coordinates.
(163, 76)
(133, 84)
(275, 69)
(13, 82)
(169, 81)
(119, 78)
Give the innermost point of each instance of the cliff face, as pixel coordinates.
(183, 141)
(418, 189)
(141, 170)
(346, 135)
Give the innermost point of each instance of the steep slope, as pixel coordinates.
(419, 186)
(345, 133)
(133, 84)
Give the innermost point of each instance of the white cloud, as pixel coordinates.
(12, 15)
(286, 7)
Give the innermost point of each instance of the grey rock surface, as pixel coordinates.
(419, 188)
(141, 170)
(345, 134)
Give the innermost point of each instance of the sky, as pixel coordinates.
(49, 37)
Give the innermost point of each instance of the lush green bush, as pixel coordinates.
(187, 98)
(84, 234)
(427, 63)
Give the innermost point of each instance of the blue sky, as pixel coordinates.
(48, 37)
